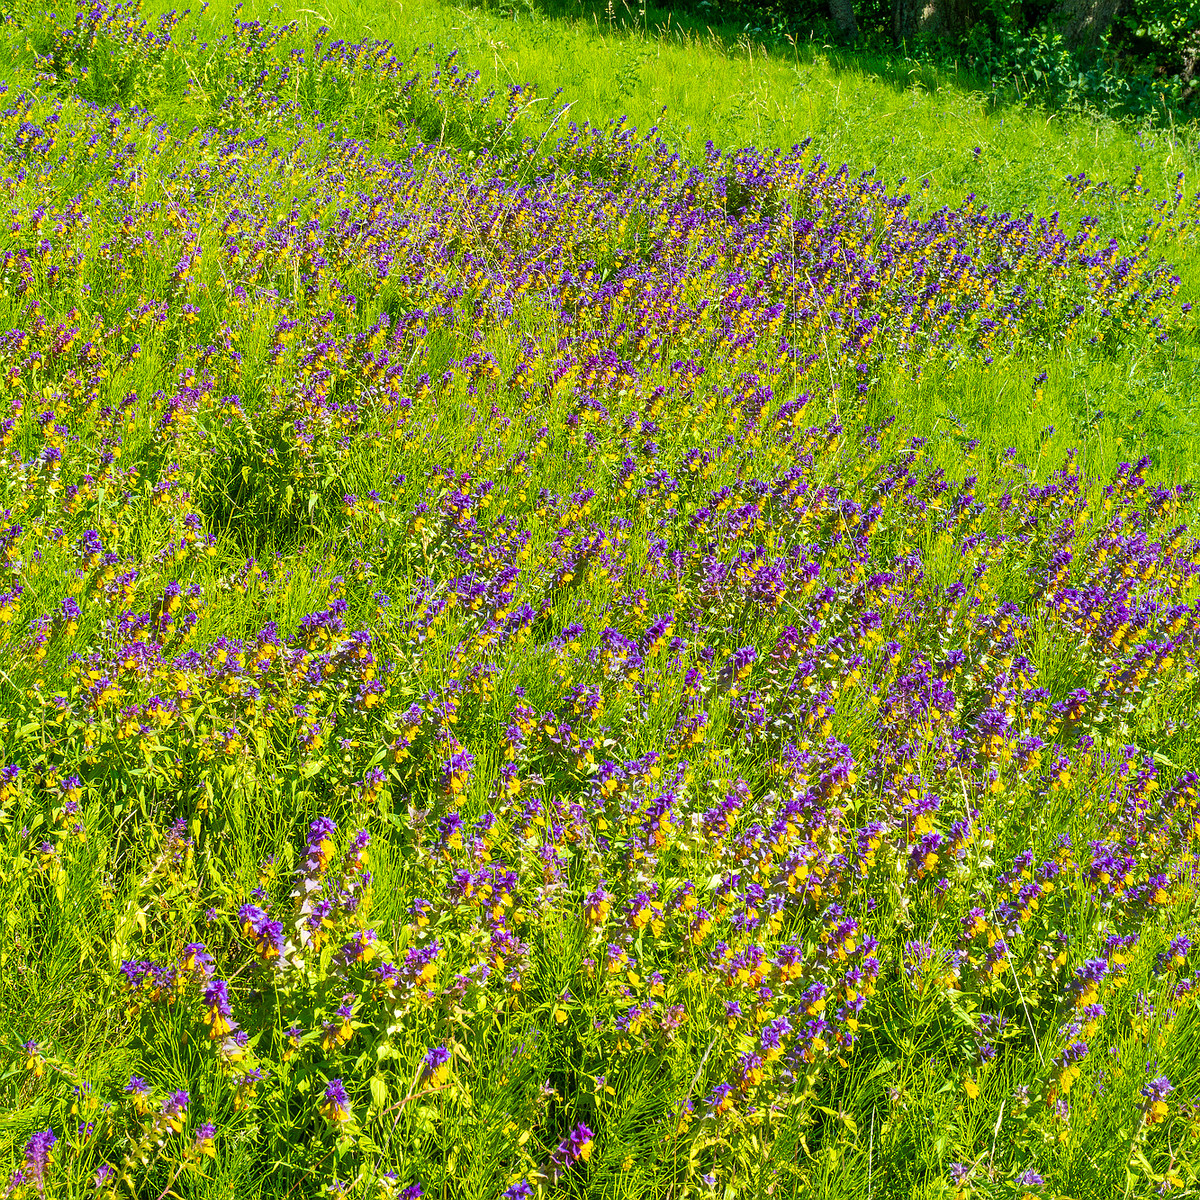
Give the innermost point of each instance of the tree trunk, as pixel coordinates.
(1085, 22)
(842, 12)
(932, 17)
(904, 20)
(1190, 74)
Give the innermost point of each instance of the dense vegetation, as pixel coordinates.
(543, 658)
(1133, 55)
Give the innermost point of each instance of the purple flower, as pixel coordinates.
(139, 1091)
(319, 851)
(436, 1066)
(175, 1109)
(576, 1147)
(217, 1010)
(197, 958)
(1155, 1094)
(267, 934)
(335, 1104)
(37, 1156)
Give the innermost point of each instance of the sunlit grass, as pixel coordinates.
(762, 665)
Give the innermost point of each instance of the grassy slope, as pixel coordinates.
(895, 117)
(926, 132)
(905, 123)
(919, 130)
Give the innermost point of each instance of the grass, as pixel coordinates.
(763, 681)
(936, 131)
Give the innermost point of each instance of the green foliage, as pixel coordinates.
(1142, 63)
(109, 54)
(1163, 38)
(282, 406)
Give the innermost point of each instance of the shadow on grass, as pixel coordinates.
(874, 55)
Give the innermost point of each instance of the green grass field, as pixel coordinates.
(556, 642)
(903, 121)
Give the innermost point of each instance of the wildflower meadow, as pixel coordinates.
(511, 685)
